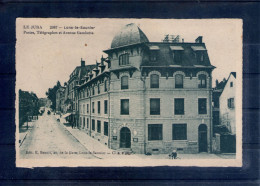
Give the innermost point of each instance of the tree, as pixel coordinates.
(51, 94)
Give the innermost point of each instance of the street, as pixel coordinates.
(48, 139)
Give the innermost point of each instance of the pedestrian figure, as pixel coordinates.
(173, 154)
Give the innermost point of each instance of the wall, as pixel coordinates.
(227, 115)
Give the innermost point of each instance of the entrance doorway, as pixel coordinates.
(125, 138)
(203, 140)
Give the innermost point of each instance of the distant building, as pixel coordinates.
(215, 102)
(149, 97)
(227, 104)
(60, 96)
(43, 102)
(28, 105)
(71, 103)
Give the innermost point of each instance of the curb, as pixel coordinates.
(23, 139)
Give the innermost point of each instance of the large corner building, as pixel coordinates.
(149, 97)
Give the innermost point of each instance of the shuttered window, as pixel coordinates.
(98, 126)
(124, 82)
(202, 104)
(155, 132)
(154, 106)
(124, 59)
(178, 81)
(124, 106)
(154, 81)
(179, 106)
(179, 132)
(202, 81)
(106, 128)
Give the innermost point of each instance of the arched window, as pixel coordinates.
(154, 81)
(124, 59)
(178, 81)
(124, 82)
(202, 81)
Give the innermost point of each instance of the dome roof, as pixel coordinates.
(128, 35)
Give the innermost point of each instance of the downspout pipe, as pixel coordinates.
(144, 104)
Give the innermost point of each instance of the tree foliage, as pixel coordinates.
(51, 94)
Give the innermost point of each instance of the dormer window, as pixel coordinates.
(154, 53)
(199, 53)
(177, 54)
(124, 59)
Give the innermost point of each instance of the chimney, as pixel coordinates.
(82, 63)
(199, 40)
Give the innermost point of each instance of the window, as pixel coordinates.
(179, 106)
(99, 126)
(178, 81)
(154, 81)
(106, 128)
(231, 84)
(87, 108)
(154, 132)
(179, 131)
(124, 82)
(105, 85)
(93, 107)
(87, 92)
(177, 56)
(202, 81)
(98, 89)
(154, 106)
(99, 107)
(153, 56)
(84, 122)
(93, 124)
(93, 91)
(202, 106)
(87, 123)
(231, 103)
(124, 106)
(105, 106)
(83, 108)
(124, 59)
(200, 56)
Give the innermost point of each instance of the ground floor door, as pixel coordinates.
(203, 140)
(125, 138)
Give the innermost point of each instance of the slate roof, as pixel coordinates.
(80, 72)
(165, 55)
(234, 74)
(128, 35)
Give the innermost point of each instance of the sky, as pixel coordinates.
(42, 60)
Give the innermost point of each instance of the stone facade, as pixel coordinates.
(135, 128)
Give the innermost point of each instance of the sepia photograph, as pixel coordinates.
(128, 92)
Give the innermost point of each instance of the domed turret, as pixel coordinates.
(128, 35)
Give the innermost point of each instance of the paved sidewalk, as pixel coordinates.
(23, 131)
(98, 149)
(103, 152)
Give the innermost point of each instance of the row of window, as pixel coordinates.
(85, 107)
(176, 55)
(155, 108)
(91, 91)
(155, 132)
(93, 125)
(154, 81)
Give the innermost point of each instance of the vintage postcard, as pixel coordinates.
(128, 92)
